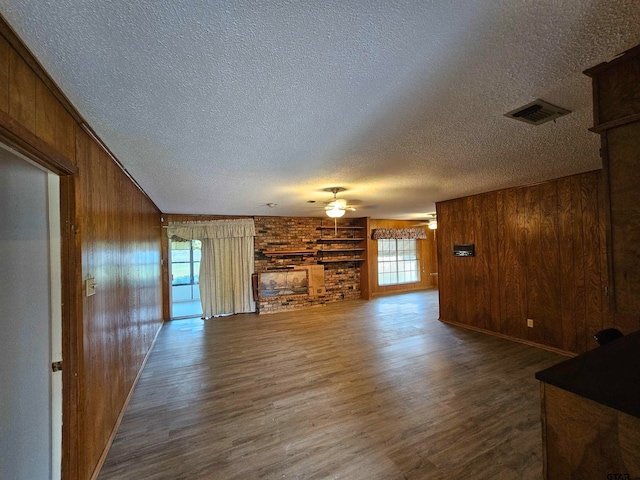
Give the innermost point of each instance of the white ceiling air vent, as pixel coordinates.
(537, 112)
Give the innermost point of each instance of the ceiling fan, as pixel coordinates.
(431, 221)
(337, 207)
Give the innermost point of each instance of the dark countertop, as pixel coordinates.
(609, 374)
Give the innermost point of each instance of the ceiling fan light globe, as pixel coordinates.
(433, 224)
(335, 212)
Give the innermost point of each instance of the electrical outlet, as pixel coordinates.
(90, 285)
(530, 322)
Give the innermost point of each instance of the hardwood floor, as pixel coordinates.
(352, 390)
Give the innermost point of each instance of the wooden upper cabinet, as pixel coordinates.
(616, 89)
(616, 96)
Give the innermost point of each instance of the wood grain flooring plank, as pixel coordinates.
(358, 389)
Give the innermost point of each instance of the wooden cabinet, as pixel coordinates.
(585, 439)
(591, 413)
(616, 96)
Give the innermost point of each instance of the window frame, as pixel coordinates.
(190, 262)
(397, 267)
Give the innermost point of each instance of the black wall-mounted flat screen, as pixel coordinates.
(464, 250)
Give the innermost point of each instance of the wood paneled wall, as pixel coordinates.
(426, 254)
(120, 232)
(112, 233)
(539, 254)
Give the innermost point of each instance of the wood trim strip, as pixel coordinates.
(621, 57)
(165, 256)
(507, 337)
(382, 293)
(14, 135)
(366, 269)
(543, 424)
(606, 208)
(71, 327)
(615, 123)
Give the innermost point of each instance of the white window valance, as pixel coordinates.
(237, 228)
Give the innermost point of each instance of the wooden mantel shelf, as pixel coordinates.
(334, 250)
(331, 227)
(341, 260)
(339, 239)
(289, 253)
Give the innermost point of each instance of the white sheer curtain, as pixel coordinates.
(226, 265)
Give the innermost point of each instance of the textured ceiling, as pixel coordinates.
(220, 107)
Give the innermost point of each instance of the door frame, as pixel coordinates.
(55, 300)
(19, 139)
(170, 277)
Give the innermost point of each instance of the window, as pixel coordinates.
(397, 261)
(185, 269)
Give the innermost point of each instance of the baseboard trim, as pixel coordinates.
(400, 292)
(513, 339)
(114, 431)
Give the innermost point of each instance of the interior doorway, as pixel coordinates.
(30, 318)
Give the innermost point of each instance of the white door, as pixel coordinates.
(30, 320)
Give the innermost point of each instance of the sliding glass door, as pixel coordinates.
(185, 268)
